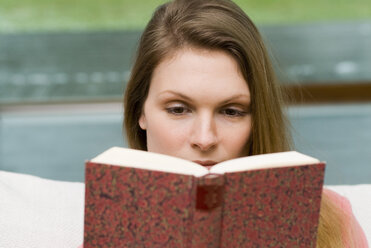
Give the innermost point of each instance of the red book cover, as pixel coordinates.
(128, 206)
(272, 208)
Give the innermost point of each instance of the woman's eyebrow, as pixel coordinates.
(244, 97)
(178, 94)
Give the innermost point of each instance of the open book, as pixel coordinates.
(135, 198)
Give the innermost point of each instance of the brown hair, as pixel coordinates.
(218, 25)
(332, 226)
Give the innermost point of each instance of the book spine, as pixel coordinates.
(207, 216)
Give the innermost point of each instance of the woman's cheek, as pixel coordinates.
(166, 136)
(236, 135)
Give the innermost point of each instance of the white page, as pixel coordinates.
(160, 162)
(264, 161)
(149, 161)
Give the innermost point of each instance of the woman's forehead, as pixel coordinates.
(200, 70)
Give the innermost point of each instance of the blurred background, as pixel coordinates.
(64, 65)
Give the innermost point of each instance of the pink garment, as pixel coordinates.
(357, 232)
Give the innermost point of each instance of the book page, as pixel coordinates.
(264, 161)
(159, 162)
(149, 161)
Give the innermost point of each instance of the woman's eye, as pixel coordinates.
(178, 110)
(233, 112)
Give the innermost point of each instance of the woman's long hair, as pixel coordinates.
(212, 25)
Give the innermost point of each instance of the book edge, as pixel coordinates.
(126, 157)
(265, 161)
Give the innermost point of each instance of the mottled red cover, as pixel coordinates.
(272, 208)
(127, 207)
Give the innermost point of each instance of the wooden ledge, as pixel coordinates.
(310, 93)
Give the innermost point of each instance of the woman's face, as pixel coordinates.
(198, 107)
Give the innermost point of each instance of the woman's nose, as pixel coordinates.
(204, 134)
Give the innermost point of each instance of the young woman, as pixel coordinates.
(202, 88)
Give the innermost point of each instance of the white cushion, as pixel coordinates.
(37, 212)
